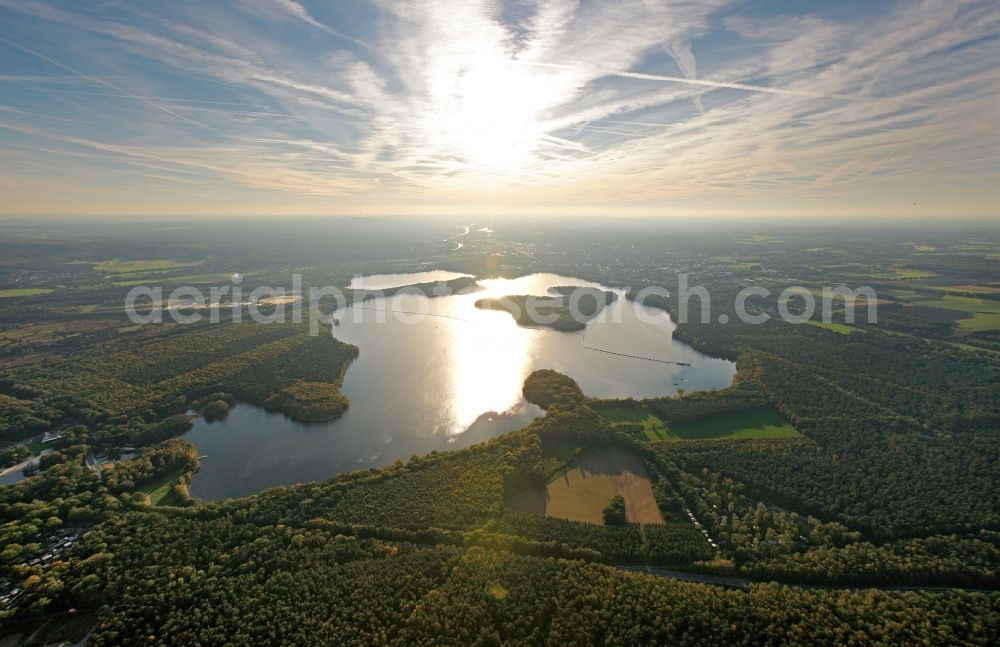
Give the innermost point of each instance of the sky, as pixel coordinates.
(807, 109)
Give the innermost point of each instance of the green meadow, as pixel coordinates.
(752, 424)
(901, 274)
(218, 277)
(652, 427)
(840, 328)
(116, 266)
(161, 491)
(985, 313)
(23, 292)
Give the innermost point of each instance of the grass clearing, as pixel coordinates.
(759, 239)
(980, 321)
(986, 288)
(218, 277)
(652, 427)
(23, 292)
(161, 491)
(954, 302)
(582, 493)
(738, 263)
(749, 424)
(901, 274)
(985, 313)
(116, 266)
(842, 329)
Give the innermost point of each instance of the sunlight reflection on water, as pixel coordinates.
(486, 355)
(444, 382)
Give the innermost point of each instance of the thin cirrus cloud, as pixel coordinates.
(561, 106)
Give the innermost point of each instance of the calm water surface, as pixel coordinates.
(444, 380)
(386, 281)
(10, 478)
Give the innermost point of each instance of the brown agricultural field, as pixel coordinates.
(582, 493)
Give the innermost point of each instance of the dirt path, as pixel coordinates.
(20, 466)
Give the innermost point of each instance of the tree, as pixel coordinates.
(614, 514)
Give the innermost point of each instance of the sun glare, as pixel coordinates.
(487, 110)
(485, 378)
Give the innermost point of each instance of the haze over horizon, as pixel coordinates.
(717, 108)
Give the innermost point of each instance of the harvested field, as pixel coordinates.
(582, 493)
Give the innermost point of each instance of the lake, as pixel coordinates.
(447, 379)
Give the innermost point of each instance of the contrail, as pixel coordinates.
(303, 14)
(701, 82)
(196, 102)
(721, 84)
(108, 84)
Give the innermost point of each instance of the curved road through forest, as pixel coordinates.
(736, 582)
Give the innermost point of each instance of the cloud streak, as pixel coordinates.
(706, 83)
(297, 10)
(634, 104)
(122, 92)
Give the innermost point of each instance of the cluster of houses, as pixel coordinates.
(56, 544)
(697, 524)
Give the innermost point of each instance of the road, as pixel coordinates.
(31, 462)
(736, 582)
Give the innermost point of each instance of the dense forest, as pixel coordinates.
(872, 495)
(120, 396)
(891, 484)
(327, 588)
(351, 583)
(454, 501)
(23, 418)
(546, 387)
(568, 312)
(149, 464)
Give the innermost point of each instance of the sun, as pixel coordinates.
(486, 110)
(495, 125)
